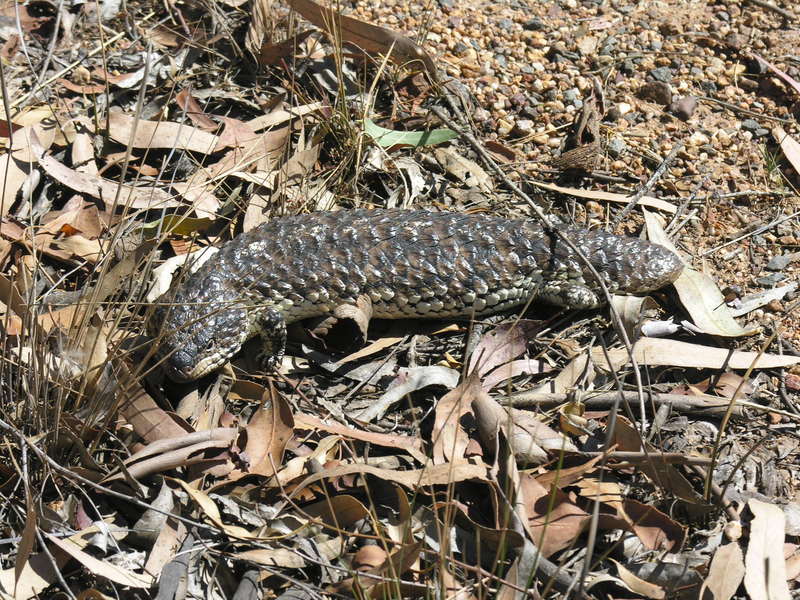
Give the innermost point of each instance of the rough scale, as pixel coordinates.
(416, 264)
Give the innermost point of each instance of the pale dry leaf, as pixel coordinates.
(106, 190)
(412, 479)
(726, 572)
(281, 116)
(194, 111)
(530, 433)
(655, 529)
(99, 567)
(407, 381)
(207, 505)
(579, 368)
(464, 169)
(273, 557)
(666, 352)
(137, 407)
(699, 295)
(256, 36)
(372, 348)
(790, 146)
(649, 201)
(81, 247)
(127, 129)
(556, 521)
(338, 512)
(638, 585)
(268, 432)
(360, 313)
(765, 574)
(515, 368)
(628, 439)
(169, 540)
(631, 310)
(501, 345)
(751, 302)
(412, 445)
(450, 438)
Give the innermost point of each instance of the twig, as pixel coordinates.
(672, 458)
(657, 174)
(776, 9)
(744, 111)
(688, 404)
(761, 229)
(73, 64)
(678, 402)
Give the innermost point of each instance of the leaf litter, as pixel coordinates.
(476, 458)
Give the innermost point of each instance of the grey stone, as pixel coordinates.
(535, 24)
(662, 74)
(780, 262)
(750, 125)
(505, 24)
(616, 147)
(770, 280)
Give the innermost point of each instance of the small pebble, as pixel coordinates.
(698, 139)
(770, 280)
(662, 74)
(780, 262)
(775, 306)
(535, 24)
(481, 114)
(522, 128)
(750, 125)
(616, 147)
(684, 108)
(656, 91)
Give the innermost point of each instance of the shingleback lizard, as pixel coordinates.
(410, 263)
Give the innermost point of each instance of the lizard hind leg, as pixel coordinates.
(576, 296)
(271, 328)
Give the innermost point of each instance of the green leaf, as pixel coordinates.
(386, 138)
(176, 224)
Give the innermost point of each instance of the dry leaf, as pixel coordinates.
(556, 522)
(699, 294)
(726, 572)
(664, 352)
(370, 38)
(638, 585)
(765, 575)
(99, 567)
(268, 432)
(656, 203)
(450, 438)
(127, 129)
(407, 381)
(790, 146)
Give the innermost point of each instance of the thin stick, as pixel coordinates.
(73, 64)
(657, 174)
(744, 111)
(776, 9)
(761, 229)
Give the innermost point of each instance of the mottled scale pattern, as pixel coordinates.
(410, 263)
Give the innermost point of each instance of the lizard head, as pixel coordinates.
(198, 328)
